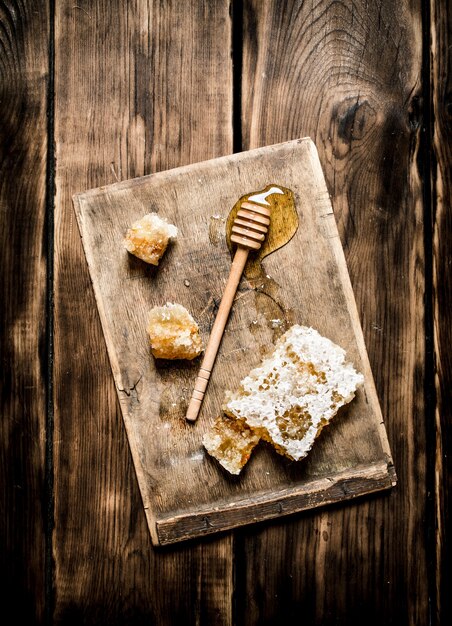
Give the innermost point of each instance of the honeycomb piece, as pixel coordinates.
(173, 333)
(148, 238)
(231, 442)
(295, 392)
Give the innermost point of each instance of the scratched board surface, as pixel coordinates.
(185, 492)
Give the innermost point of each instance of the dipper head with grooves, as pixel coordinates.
(252, 220)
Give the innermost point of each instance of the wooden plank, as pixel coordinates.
(305, 281)
(441, 59)
(24, 33)
(134, 94)
(349, 76)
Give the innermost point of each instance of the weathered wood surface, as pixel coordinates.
(349, 67)
(185, 493)
(24, 36)
(129, 100)
(348, 74)
(441, 207)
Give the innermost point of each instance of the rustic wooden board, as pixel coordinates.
(186, 493)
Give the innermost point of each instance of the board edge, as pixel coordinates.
(343, 487)
(176, 171)
(77, 201)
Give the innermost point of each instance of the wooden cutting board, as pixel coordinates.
(185, 492)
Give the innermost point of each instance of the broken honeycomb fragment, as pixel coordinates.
(231, 442)
(173, 333)
(148, 238)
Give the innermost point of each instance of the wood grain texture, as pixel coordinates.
(304, 282)
(441, 84)
(348, 74)
(24, 31)
(139, 87)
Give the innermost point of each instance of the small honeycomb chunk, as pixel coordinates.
(173, 332)
(148, 238)
(231, 442)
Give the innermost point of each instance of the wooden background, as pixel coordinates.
(94, 91)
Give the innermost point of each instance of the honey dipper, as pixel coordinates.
(248, 232)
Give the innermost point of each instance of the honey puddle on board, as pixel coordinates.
(283, 226)
(269, 297)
